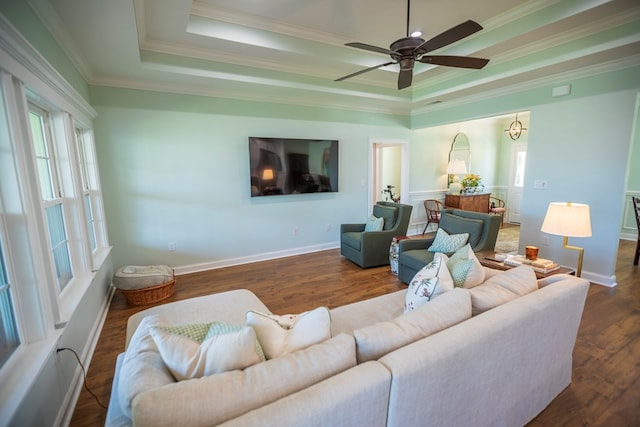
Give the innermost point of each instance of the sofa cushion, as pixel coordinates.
(374, 224)
(352, 239)
(465, 268)
(389, 213)
(279, 335)
(374, 341)
(415, 259)
(214, 399)
(448, 243)
(455, 224)
(224, 348)
(347, 318)
(432, 280)
(503, 288)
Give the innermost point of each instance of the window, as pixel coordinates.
(51, 194)
(85, 173)
(9, 340)
(520, 163)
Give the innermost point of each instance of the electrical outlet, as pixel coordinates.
(296, 231)
(540, 184)
(327, 227)
(172, 246)
(545, 240)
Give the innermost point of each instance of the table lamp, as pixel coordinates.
(568, 220)
(455, 168)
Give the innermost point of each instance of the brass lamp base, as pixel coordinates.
(580, 254)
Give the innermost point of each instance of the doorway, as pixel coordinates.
(388, 166)
(516, 181)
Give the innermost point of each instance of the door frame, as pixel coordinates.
(374, 145)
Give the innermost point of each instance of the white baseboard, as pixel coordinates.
(599, 279)
(195, 268)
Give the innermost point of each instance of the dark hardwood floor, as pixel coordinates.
(605, 390)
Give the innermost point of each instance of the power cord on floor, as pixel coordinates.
(84, 374)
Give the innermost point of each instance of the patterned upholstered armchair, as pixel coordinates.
(371, 248)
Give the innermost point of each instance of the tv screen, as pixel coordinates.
(292, 166)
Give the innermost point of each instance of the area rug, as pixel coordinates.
(508, 240)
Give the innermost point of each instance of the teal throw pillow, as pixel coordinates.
(448, 243)
(374, 224)
(465, 268)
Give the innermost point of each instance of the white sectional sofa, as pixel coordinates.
(438, 365)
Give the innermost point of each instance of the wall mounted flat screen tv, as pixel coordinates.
(292, 166)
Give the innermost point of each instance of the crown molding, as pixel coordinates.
(619, 64)
(179, 89)
(50, 19)
(22, 60)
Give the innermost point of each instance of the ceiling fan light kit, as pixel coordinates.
(407, 50)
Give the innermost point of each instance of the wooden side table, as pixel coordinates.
(487, 259)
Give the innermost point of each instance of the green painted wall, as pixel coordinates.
(580, 147)
(183, 177)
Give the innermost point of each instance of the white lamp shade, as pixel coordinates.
(456, 167)
(567, 219)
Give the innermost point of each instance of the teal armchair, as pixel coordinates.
(483, 232)
(371, 248)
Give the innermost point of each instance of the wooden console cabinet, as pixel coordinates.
(468, 202)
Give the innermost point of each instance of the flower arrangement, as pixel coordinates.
(471, 181)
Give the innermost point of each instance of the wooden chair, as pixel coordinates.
(497, 207)
(434, 211)
(636, 208)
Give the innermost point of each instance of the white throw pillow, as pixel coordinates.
(465, 268)
(279, 335)
(432, 280)
(224, 348)
(374, 224)
(448, 243)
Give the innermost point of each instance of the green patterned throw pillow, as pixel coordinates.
(448, 243)
(465, 268)
(196, 332)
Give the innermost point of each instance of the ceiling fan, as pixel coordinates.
(407, 50)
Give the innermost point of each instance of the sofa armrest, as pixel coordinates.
(346, 228)
(411, 244)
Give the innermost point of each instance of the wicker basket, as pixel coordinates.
(150, 295)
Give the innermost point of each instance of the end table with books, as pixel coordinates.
(493, 260)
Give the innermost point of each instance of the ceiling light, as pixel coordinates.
(416, 34)
(515, 129)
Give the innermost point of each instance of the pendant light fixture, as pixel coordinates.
(515, 129)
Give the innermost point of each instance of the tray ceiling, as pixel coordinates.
(291, 51)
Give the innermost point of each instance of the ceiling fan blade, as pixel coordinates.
(449, 36)
(404, 78)
(371, 48)
(455, 61)
(364, 71)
